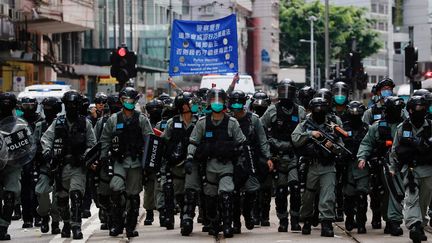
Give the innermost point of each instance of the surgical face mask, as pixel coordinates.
(194, 108)
(237, 106)
(19, 113)
(207, 110)
(217, 107)
(340, 99)
(129, 106)
(430, 109)
(386, 93)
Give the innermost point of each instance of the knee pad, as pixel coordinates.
(62, 202)
(103, 201)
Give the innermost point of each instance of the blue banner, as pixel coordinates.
(204, 47)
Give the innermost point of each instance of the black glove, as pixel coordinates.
(188, 165)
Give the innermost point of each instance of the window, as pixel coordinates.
(374, 8)
(373, 79)
(397, 48)
(140, 12)
(381, 8)
(381, 26)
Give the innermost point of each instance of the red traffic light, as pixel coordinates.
(122, 52)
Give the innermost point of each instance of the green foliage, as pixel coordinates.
(345, 23)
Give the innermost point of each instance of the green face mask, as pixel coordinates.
(430, 109)
(340, 99)
(237, 106)
(217, 107)
(194, 108)
(19, 113)
(129, 106)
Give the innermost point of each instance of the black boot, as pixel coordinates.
(265, 208)
(118, 203)
(236, 198)
(394, 228)
(211, 203)
(16, 212)
(104, 205)
(295, 203)
(8, 208)
(249, 202)
(226, 214)
(315, 218)
(306, 230)
(361, 217)
(349, 203)
(55, 228)
(66, 230)
(45, 224)
(76, 209)
(168, 191)
(149, 217)
(416, 233)
(4, 234)
(376, 219)
(423, 236)
(27, 224)
(282, 208)
(327, 228)
(162, 217)
(76, 232)
(132, 216)
(37, 221)
(189, 211)
(375, 205)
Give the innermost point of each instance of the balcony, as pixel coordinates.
(56, 16)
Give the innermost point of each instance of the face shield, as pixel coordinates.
(340, 95)
(286, 92)
(216, 102)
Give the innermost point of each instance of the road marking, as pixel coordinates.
(347, 233)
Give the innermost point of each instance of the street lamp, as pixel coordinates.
(312, 19)
(313, 81)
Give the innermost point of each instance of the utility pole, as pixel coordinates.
(121, 22)
(327, 41)
(312, 61)
(114, 26)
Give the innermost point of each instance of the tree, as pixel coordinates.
(345, 23)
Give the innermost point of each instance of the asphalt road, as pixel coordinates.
(156, 234)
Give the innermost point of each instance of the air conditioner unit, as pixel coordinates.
(4, 9)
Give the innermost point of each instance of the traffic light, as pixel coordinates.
(354, 72)
(123, 64)
(411, 57)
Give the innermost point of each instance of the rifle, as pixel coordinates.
(339, 149)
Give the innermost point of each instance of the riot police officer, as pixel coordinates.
(51, 107)
(123, 135)
(154, 110)
(176, 135)
(66, 141)
(259, 103)
(102, 171)
(213, 142)
(28, 197)
(374, 148)
(356, 182)
(384, 89)
(321, 175)
(305, 95)
(97, 112)
(245, 170)
(412, 154)
(280, 121)
(10, 176)
(340, 93)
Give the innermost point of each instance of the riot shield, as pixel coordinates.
(152, 154)
(19, 141)
(3, 151)
(92, 155)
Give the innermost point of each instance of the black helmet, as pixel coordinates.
(216, 93)
(324, 93)
(181, 99)
(374, 90)
(154, 105)
(168, 111)
(237, 97)
(52, 103)
(340, 92)
(356, 108)
(129, 93)
(114, 103)
(305, 95)
(165, 98)
(421, 92)
(100, 97)
(72, 97)
(394, 102)
(260, 98)
(416, 103)
(318, 102)
(202, 93)
(85, 105)
(319, 108)
(286, 89)
(385, 82)
(8, 102)
(29, 104)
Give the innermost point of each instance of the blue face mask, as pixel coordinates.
(217, 107)
(237, 106)
(19, 113)
(430, 109)
(129, 106)
(340, 99)
(386, 93)
(194, 108)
